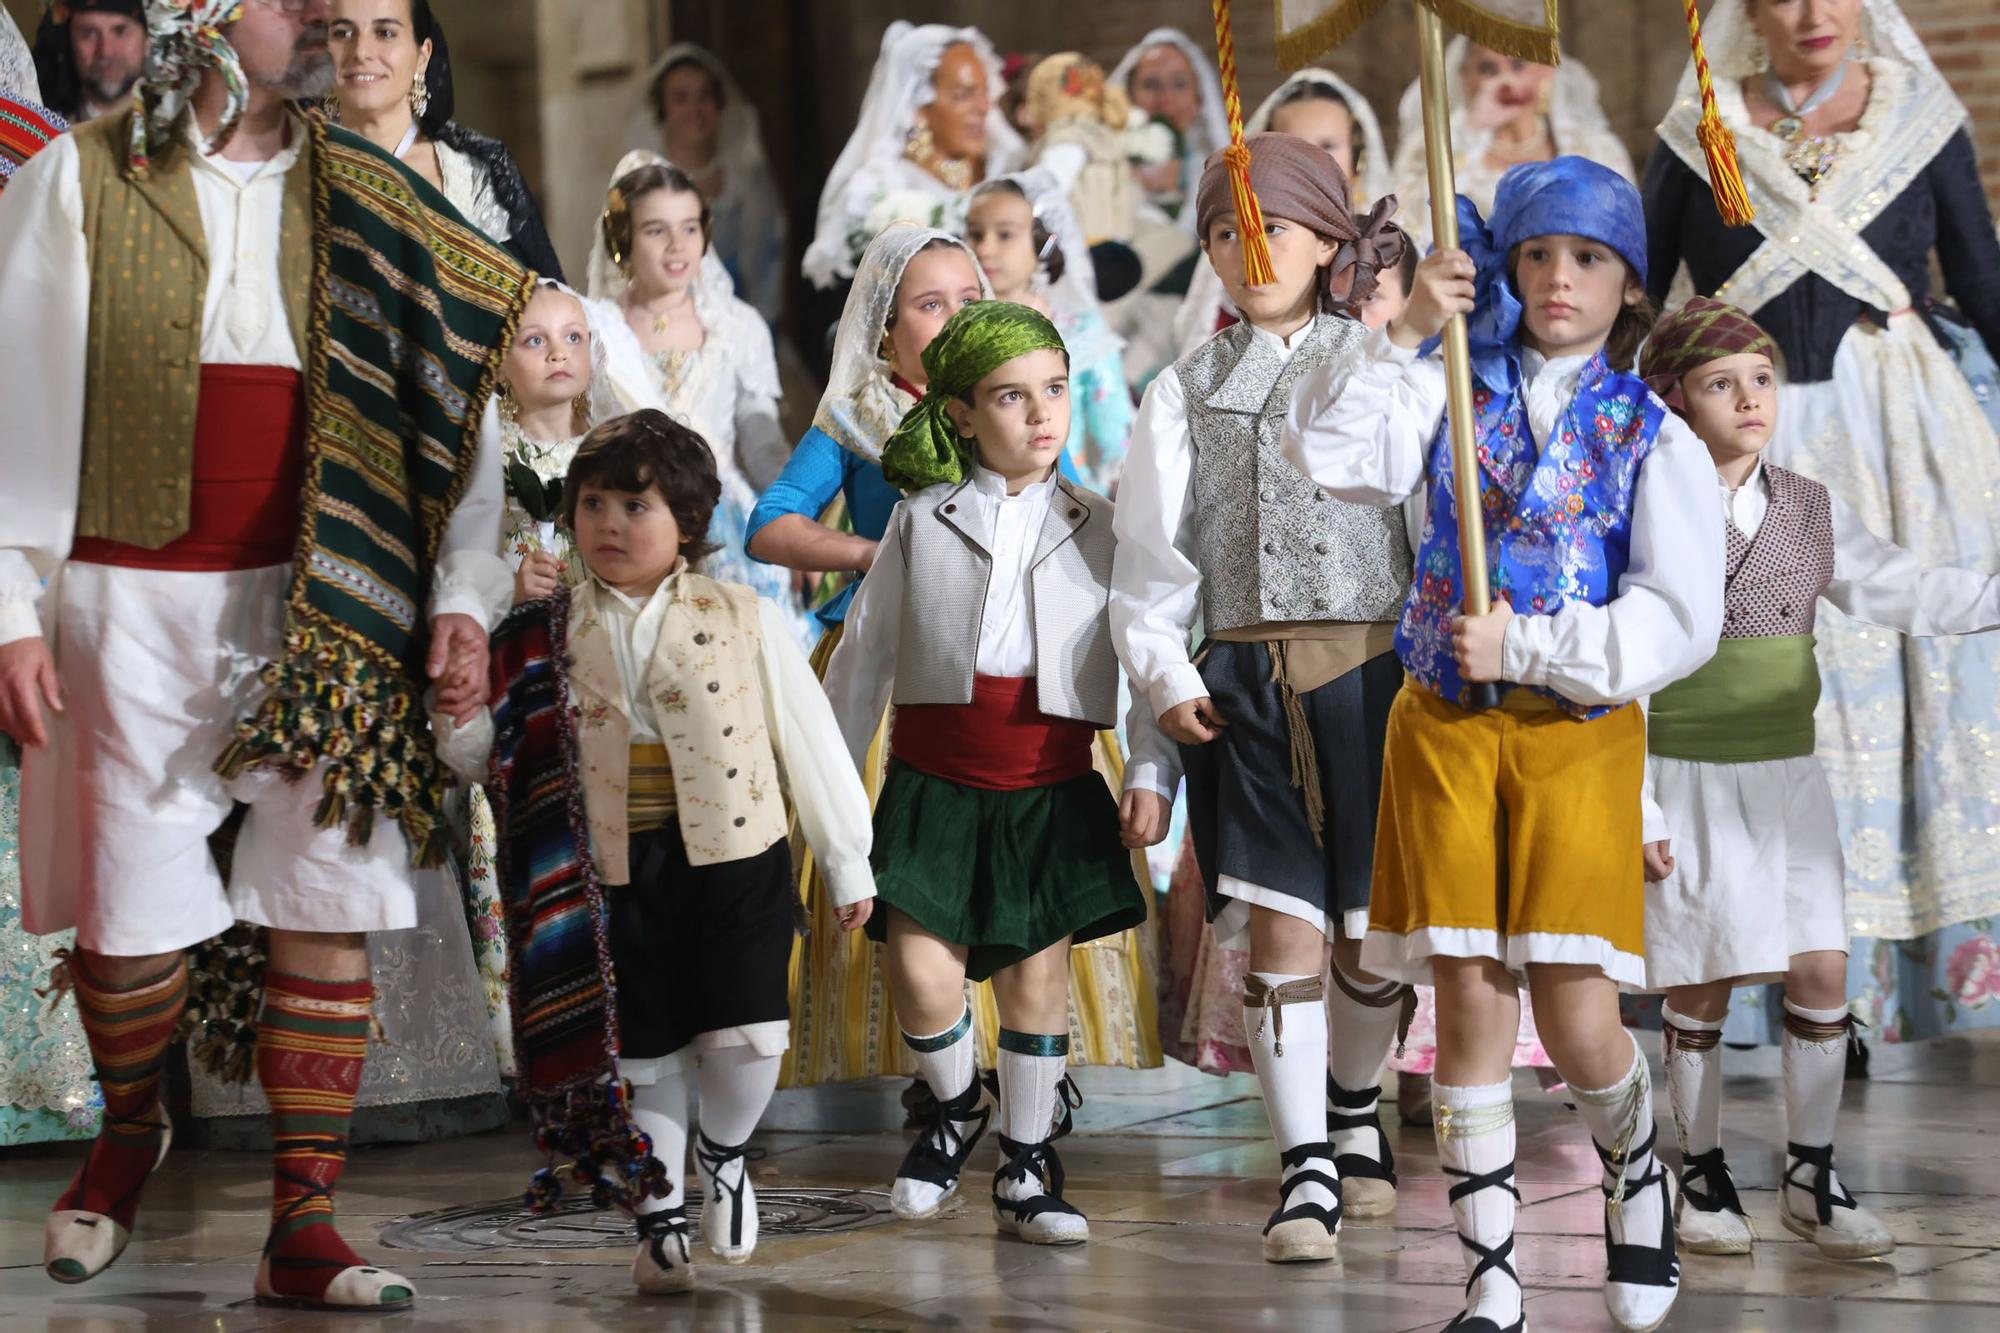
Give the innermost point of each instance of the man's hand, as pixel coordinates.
(458, 666)
(1195, 722)
(1659, 860)
(855, 915)
(27, 681)
(1480, 642)
(1143, 816)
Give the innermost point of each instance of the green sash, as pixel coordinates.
(1752, 702)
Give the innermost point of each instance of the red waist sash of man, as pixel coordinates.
(1001, 741)
(249, 478)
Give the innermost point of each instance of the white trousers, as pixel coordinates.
(156, 668)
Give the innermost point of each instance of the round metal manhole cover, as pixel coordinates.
(575, 1225)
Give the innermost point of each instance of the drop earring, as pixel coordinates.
(420, 93)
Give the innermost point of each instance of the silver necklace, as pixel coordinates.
(1793, 123)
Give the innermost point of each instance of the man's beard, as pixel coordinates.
(310, 75)
(104, 83)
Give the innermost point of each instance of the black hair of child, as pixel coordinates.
(649, 450)
(1049, 256)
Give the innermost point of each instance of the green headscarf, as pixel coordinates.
(926, 448)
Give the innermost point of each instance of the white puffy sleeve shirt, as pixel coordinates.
(1364, 437)
(44, 342)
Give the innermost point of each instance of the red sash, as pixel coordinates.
(249, 478)
(1001, 741)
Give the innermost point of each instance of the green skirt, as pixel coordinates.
(1004, 873)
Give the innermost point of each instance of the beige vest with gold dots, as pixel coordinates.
(148, 287)
(707, 697)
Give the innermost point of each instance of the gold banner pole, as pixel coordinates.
(1457, 351)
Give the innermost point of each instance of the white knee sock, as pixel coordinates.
(736, 1085)
(1363, 1031)
(1692, 1051)
(1815, 1071)
(661, 1111)
(946, 1060)
(1620, 1118)
(1031, 1067)
(1294, 1081)
(1475, 1136)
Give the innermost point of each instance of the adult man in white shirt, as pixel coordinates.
(166, 458)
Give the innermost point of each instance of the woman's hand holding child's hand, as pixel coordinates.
(1443, 287)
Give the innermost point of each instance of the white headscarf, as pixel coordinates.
(17, 64)
(872, 163)
(861, 407)
(1210, 130)
(1194, 322)
(1912, 112)
(739, 137)
(1576, 122)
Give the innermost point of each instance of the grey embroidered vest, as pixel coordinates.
(1774, 581)
(946, 546)
(1271, 545)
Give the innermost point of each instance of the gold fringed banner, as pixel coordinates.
(1249, 216)
(1525, 29)
(1718, 143)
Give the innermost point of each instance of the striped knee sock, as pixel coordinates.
(311, 1043)
(128, 1027)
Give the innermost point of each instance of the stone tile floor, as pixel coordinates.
(1174, 1171)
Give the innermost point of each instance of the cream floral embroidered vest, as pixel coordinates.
(707, 697)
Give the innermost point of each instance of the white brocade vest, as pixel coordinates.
(1270, 544)
(707, 697)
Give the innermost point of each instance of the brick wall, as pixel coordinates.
(1964, 40)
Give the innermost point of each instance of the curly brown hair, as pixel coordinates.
(649, 450)
(629, 189)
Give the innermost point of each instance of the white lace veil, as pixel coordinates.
(1576, 108)
(1733, 49)
(1211, 128)
(1194, 322)
(898, 88)
(17, 64)
(739, 140)
(861, 407)
(713, 289)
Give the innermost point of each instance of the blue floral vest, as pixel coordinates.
(1558, 526)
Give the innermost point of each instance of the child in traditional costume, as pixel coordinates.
(1507, 841)
(1029, 242)
(1281, 719)
(652, 726)
(1743, 845)
(997, 845)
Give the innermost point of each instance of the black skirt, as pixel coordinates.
(1247, 819)
(698, 949)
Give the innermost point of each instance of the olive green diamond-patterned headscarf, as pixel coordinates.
(926, 448)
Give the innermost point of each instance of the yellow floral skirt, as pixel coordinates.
(844, 1026)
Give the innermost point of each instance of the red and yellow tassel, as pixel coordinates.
(1249, 216)
(1718, 143)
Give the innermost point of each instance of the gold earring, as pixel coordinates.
(420, 93)
(581, 410)
(510, 407)
(922, 144)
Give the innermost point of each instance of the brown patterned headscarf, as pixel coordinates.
(1701, 331)
(1296, 180)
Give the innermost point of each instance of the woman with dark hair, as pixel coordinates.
(692, 111)
(393, 87)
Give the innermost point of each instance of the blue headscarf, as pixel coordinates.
(1570, 196)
